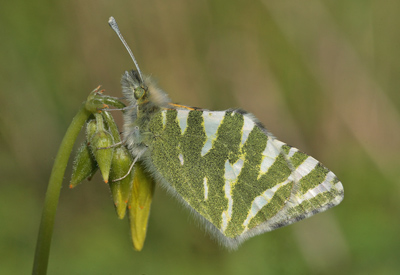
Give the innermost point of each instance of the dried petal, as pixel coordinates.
(139, 205)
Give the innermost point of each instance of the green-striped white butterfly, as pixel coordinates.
(233, 174)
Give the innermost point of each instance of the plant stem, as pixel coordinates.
(53, 192)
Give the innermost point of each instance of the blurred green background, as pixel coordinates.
(323, 76)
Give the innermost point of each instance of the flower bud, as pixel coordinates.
(84, 165)
(95, 101)
(91, 128)
(112, 127)
(113, 101)
(101, 146)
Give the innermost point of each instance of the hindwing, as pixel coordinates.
(232, 173)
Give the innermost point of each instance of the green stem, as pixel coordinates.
(53, 192)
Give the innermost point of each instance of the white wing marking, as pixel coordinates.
(306, 167)
(292, 151)
(205, 184)
(248, 126)
(180, 156)
(231, 174)
(164, 118)
(271, 152)
(212, 120)
(182, 117)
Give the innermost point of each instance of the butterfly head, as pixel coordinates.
(133, 88)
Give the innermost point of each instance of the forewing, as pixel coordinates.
(234, 175)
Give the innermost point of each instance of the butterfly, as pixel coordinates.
(224, 166)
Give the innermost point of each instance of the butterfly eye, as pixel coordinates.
(139, 93)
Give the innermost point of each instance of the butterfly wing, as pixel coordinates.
(234, 175)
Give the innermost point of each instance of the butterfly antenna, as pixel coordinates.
(114, 26)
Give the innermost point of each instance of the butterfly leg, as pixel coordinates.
(111, 146)
(115, 109)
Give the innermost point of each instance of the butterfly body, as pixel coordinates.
(224, 166)
(145, 100)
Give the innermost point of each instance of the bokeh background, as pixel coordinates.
(323, 76)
